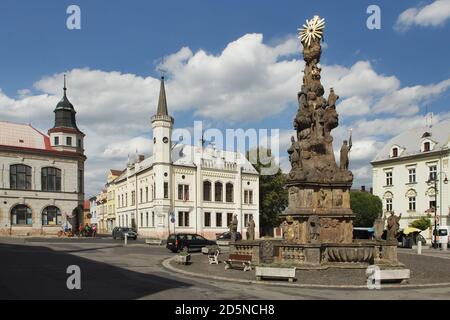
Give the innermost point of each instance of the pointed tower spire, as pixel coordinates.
(162, 102)
(65, 87)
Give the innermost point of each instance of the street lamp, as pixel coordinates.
(435, 181)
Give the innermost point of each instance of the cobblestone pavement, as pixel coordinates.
(37, 270)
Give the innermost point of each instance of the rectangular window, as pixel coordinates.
(388, 205)
(146, 219)
(412, 203)
(389, 178)
(183, 192)
(146, 194)
(153, 219)
(218, 219)
(133, 198)
(141, 195)
(433, 173)
(142, 219)
(412, 175)
(207, 219)
(246, 218)
(433, 205)
(166, 190)
(248, 197)
(229, 218)
(183, 219)
(69, 141)
(56, 141)
(79, 143)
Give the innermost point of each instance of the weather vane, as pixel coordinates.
(161, 68)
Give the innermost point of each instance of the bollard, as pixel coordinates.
(419, 247)
(126, 239)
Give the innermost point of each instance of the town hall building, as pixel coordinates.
(42, 176)
(185, 188)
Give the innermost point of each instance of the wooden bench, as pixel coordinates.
(241, 259)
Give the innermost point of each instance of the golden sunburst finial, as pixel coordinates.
(313, 29)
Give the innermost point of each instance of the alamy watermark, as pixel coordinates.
(73, 21)
(374, 20)
(74, 280)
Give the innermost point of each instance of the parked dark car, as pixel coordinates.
(187, 242)
(227, 236)
(119, 233)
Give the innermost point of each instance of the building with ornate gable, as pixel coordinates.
(185, 188)
(42, 176)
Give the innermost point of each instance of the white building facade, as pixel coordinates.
(41, 177)
(185, 188)
(411, 172)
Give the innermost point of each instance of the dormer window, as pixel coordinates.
(426, 146)
(394, 152)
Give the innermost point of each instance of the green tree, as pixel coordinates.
(273, 196)
(422, 224)
(366, 207)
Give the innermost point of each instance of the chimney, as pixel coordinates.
(141, 158)
(363, 188)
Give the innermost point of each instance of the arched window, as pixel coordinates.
(218, 192)
(21, 215)
(229, 192)
(206, 191)
(51, 216)
(51, 179)
(20, 177)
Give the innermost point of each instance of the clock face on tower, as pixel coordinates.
(165, 140)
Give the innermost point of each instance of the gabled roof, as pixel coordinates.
(23, 136)
(411, 141)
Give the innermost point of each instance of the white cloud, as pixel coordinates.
(435, 14)
(408, 99)
(246, 82)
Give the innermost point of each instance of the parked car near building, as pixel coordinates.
(227, 236)
(120, 232)
(187, 242)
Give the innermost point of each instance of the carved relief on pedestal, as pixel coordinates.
(295, 200)
(338, 198)
(309, 198)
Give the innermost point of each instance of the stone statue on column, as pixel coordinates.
(233, 228)
(251, 228)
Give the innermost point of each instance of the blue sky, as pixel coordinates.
(121, 44)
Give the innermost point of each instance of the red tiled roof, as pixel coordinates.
(23, 136)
